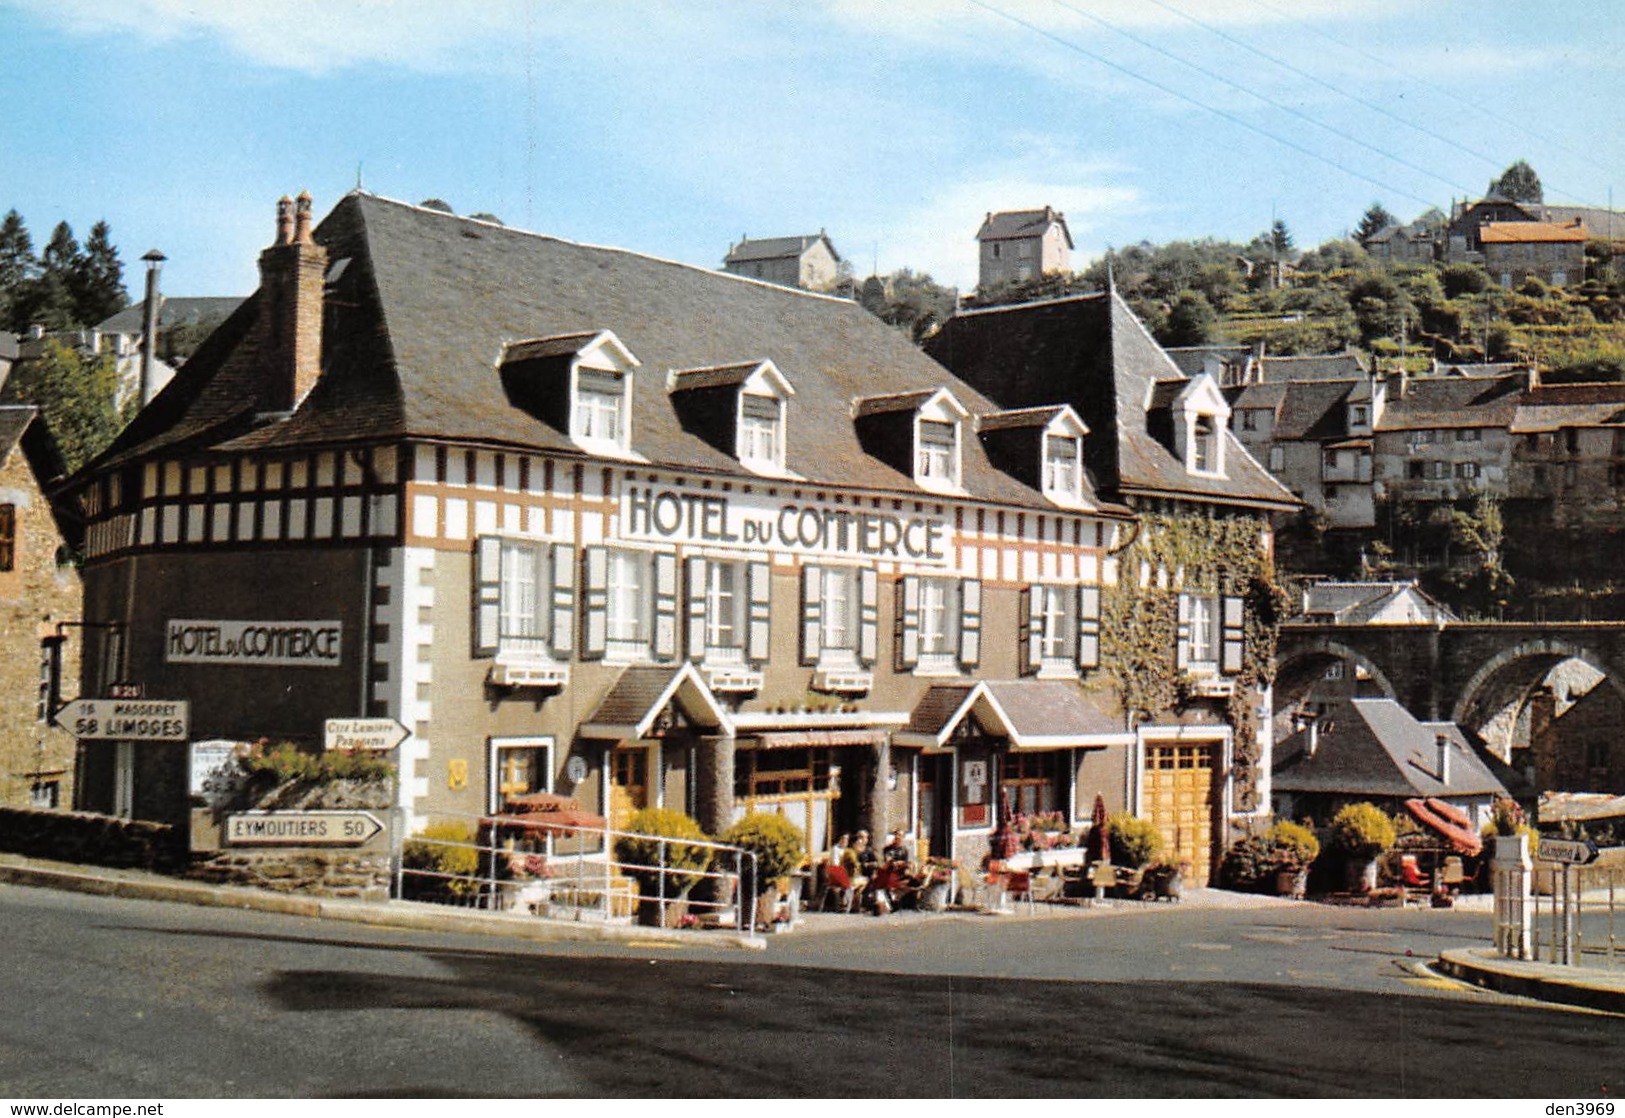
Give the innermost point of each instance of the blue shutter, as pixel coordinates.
(868, 616)
(1182, 642)
(665, 605)
(1234, 635)
(1032, 631)
(908, 623)
(1088, 627)
(696, 571)
(812, 621)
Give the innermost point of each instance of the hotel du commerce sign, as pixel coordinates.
(758, 521)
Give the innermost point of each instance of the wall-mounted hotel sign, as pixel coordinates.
(754, 520)
(283, 644)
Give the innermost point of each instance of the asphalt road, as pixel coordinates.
(132, 999)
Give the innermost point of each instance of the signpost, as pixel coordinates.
(377, 734)
(301, 828)
(126, 719)
(1568, 852)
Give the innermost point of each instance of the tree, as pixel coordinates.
(1373, 221)
(97, 279)
(1518, 183)
(1191, 322)
(75, 395)
(1280, 239)
(17, 264)
(911, 301)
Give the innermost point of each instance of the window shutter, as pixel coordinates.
(695, 578)
(1182, 644)
(1032, 631)
(665, 634)
(812, 621)
(1088, 627)
(868, 616)
(487, 594)
(562, 631)
(970, 622)
(594, 602)
(758, 646)
(908, 623)
(1234, 635)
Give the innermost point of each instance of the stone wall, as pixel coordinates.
(321, 873)
(77, 836)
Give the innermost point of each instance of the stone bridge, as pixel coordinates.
(1466, 672)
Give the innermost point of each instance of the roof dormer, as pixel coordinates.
(1042, 447)
(741, 409)
(918, 433)
(581, 383)
(1200, 416)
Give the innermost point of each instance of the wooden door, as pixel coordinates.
(1179, 800)
(628, 784)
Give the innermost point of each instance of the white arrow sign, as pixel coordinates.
(380, 734)
(301, 828)
(1573, 852)
(126, 719)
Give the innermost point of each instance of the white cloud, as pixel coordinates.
(938, 235)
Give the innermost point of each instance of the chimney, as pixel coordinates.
(292, 272)
(149, 328)
(1442, 742)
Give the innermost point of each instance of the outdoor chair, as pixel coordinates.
(837, 887)
(1018, 886)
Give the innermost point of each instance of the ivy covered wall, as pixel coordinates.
(1179, 550)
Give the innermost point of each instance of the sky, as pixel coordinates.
(673, 129)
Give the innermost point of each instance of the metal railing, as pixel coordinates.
(564, 871)
(1574, 921)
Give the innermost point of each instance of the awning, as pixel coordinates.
(1031, 714)
(1447, 820)
(802, 739)
(631, 706)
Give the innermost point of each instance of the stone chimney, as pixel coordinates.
(1442, 744)
(292, 272)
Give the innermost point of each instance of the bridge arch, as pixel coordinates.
(1512, 673)
(1302, 661)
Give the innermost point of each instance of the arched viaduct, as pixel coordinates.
(1457, 671)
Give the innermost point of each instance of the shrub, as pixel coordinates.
(1293, 846)
(447, 857)
(1248, 864)
(286, 762)
(667, 869)
(1135, 842)
(777, 843)
(1362, 831)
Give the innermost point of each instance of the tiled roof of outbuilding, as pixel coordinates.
(419, 317)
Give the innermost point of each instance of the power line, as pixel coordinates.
(1305, 117)
(1170, 91)
(1477, 107)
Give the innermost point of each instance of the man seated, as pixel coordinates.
(896, 852)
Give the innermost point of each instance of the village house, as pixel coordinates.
(1518, 250)
(39, 596)
(808, 262)
(644, 534)
(1019, 245)
(1186, 646)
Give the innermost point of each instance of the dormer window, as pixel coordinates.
(740, 408)
(938, 451)
(1200, 416)
(917, 433)
(1063, 466)
(1204, 454)
(1041, 446)
(600, 406)
(580, 383)
(761, 430)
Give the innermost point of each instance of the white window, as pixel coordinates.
(1467, 469)
(1469, 435)
(1204, 449)
(600, 405)
(524, 598)
(519, 767)
(938, 446)
(1057, 611)
(939, 618)
(1359, 415)
(1204, 637)
(627, 601)
(761, 426)
(1277, 459)
(838, 609)
(724, 611)
(1249, 420)
(1062, 467)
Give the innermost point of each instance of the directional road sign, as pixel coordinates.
(380, 734)
(126, 719)
(1573, 852)
(301, 828)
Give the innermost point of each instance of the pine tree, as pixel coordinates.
(17, 265)
(97, 283)
(1518, 183)
(1373, 221)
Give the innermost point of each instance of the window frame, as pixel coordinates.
(544, 744)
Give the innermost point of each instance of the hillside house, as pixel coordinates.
(1019, 245)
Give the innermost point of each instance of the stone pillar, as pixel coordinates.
(1514, 907)
(714, 783)
(878, 814)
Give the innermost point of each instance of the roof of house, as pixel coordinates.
(1019, 418)
(419, 318)
(1598, 220)
(1313, 409)
(1551, 407)
(22, 425)
(1019, 224)
(1312, 366)
(777, 248)
(1030, 712)
(1427, 402)
(1193, 359)
(8, 346)
(1091, 352)
(173, 310)
(1479, 369)
(1374, 747)
(1527, 232)
(1356, 603)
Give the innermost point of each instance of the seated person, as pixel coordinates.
(859, 861)
(896, 852)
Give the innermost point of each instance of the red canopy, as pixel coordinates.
(1447, 820)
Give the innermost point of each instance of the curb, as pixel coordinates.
(1580, 987)
(389, 914)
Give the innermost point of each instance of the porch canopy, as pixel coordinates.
(1033, 714)
(633, 705)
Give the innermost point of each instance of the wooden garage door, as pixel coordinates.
(1179, 800)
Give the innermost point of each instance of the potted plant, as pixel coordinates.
(664, 870)
(441, 864)
(1293, 848)
(1135, 844)
(1363, 834)
(779, 847)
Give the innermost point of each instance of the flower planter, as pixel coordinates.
(1292, 883)
(1362, 874)
(653, 913)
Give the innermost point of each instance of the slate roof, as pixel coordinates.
(22, 425)
(716, 376)
(1374, 747)
(1355, 603)
(8, 346)
(1427, 402)
(1192, 359)
(1020, 224)
(14, 420)
(1044, 712)
(1314, 409)
(173, 310)
(1554, 406)
(1091, 352)
(1019, 418)
(1598, 220)
(420, 316)
(1313, 366)
(776, 248)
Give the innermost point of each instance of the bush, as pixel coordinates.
(1362, 831)
(777, 843)
(644, 856)
(1135, 842)
(1248, 864)
(447, 858)
(1293, 846)
(286, 762)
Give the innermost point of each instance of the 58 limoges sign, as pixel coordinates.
(804, 527)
